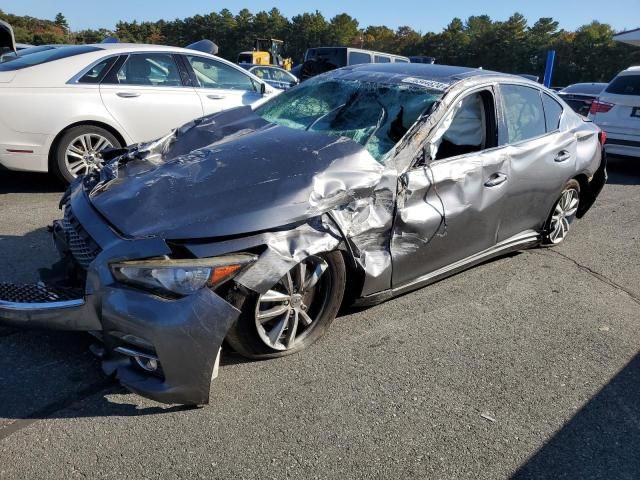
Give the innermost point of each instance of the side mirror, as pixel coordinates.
(263, 89)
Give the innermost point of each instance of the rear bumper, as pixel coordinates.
(595, 186)
(626, 145)
(625, 150)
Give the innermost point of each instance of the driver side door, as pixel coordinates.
(449, 207)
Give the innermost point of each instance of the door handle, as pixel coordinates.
(128, 94)
(562, 156)
(216, 97)
(495, 180)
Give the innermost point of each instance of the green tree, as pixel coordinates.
(588, 54)
(343, 30)
(61, 22)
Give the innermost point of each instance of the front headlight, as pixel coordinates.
(181, 277)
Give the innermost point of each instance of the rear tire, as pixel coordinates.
(77, 151)
(286, 320)
(563, 214)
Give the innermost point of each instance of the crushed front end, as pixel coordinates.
(162, 348)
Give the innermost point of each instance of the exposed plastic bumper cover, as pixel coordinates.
(183, 335)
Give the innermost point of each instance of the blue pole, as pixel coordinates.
(548, 70)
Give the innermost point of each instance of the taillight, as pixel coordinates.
(602, 137)
(598, 106)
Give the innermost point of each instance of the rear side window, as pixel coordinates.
(625, 85)
(381, 59)
(46, 56)
(98, 71)
(356, 58)
(523, 111)
(152, 69)
(401, 60)
(211, 73)
(552, 112)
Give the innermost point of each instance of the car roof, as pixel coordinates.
(442, 74)
(632, 69)
(125, 47)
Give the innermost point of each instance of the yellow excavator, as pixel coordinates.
(266, 51)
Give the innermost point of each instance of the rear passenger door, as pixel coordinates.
(145, 94)
(221, 86)
(541, 156)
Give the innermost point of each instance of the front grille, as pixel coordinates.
(83, 248)
(36, 293)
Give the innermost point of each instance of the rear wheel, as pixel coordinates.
(294, 312)
(563, 214)
(77, 152)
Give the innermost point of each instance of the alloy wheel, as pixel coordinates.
(563, 215)
(288, 312)
(82, 154)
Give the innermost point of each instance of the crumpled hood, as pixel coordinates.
(229, 174)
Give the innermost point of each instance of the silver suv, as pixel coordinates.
(617, 113)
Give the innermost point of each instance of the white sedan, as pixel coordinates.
(60, 107)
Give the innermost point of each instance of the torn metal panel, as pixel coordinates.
(286, 249)
(185, 335)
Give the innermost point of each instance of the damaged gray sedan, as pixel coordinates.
(250, 226)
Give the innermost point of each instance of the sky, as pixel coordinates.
(421, 15)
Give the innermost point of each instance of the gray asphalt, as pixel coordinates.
(527, 366)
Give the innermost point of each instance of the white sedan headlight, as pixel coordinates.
(181, 277)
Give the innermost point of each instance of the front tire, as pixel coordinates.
(563, 214)
(294, 313)
(77, 152)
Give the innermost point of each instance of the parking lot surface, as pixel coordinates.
(526, 366)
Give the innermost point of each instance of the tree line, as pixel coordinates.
(588, 54)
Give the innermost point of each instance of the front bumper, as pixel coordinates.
(184, 335)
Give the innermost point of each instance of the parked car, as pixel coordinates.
(579, 96)
(275, 76)
(617, 112)
(319, 60)
(249, 225)
(84, 98)
(422, 59)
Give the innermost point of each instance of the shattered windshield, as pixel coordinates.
(375, 115)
